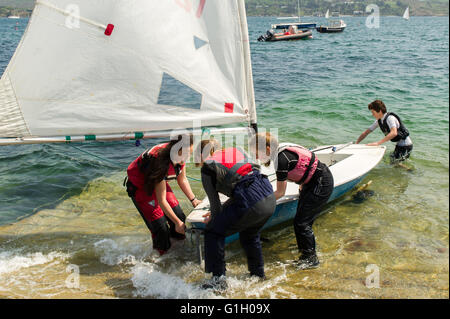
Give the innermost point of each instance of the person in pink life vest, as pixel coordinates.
(296, 164)
(148, 187)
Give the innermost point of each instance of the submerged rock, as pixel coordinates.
(361, 196)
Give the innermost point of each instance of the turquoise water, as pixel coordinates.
(61, 206)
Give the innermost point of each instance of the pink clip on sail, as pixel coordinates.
(229, 107)
(109, 29)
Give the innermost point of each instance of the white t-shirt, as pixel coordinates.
(392, 122)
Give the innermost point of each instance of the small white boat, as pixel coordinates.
(13, 17)
(406, 14)
(327, 15)
(349, 164)
(333, 26)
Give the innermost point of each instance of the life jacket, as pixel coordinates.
(306, 164)
(134, 170)
(402, 131)
(229, 166)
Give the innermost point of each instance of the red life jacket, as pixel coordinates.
(306, 164)
(134, 169)
(229, 166)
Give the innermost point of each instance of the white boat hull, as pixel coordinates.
(348, 165)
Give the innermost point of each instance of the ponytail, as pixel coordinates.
(155, 167)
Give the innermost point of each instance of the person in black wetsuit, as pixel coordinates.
(296, 164)
(251, 203)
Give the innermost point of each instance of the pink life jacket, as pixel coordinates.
(306, 164)
(229, 166)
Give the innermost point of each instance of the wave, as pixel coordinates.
(12, 261)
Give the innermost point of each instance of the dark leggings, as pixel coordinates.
(313, 197)
(163, 228)
(242, 215)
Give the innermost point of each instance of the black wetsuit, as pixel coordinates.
(312, 197)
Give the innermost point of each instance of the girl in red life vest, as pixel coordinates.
(295, 163)
(148, 187)
(251, 203)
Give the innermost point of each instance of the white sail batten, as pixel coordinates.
(96, 67)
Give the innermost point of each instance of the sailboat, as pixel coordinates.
(327, 14)
(406, 14)
(101, 75)
(298, 25)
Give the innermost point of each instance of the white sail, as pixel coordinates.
(327, 14)
(91, 67)
(406, 14)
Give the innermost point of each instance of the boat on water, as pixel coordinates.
(406, 14)
(68, 97)
(298, 25)
(349, 163)
(289, 31)
(13, 17)
(333, 26)
(49, 93)
(292, 34)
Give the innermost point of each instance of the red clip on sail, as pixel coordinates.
(109, 29)
(229, 107)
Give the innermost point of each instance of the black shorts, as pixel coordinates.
(401, 153)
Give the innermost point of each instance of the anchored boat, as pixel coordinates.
(292, 34)
(333, 26)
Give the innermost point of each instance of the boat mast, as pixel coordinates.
(298, 9)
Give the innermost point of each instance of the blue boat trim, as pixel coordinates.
(287, 211)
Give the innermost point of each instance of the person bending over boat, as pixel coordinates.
(148, 187)
(294, 163)
(251, 203)
(392, 127)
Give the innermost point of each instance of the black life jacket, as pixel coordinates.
(229, 166)
(402, 131)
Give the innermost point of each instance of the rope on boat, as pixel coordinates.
(116, 164)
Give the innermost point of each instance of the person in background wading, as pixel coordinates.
(394, 130)
(148, 187)
(251, 203)
(294, 163)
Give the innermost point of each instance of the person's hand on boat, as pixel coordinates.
(373, 144)
(196, 202)
(180, 228)
(207, 218)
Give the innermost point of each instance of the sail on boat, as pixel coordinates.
(406, 14)
(101, 74)
(327, 14)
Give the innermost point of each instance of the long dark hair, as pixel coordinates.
(155, 168)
